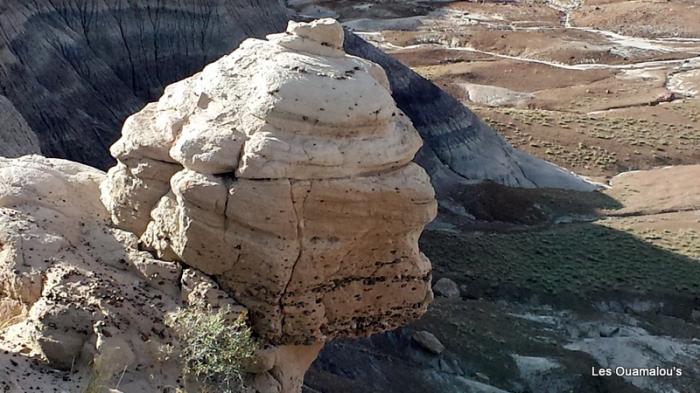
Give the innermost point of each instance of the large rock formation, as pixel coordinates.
(278, 181)
(284, 170)
(76, 69)
(81, 305)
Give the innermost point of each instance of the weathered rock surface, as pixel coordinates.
(284, 170)
(76, 69)
(446, 288)
(78, 299)
(71, 286)
(428, 341)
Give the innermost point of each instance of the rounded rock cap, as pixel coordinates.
(323, 36)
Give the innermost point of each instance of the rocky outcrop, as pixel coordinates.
(75, 292)
(76, 69)
(81, 304)
(284, 170)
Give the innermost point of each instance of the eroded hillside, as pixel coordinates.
(76, 69)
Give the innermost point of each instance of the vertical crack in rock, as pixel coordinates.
(228, 183)
(299, 214)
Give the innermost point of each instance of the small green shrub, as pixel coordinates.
(214, 349)
(95, 383)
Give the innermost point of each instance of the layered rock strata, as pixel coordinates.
(284, 170)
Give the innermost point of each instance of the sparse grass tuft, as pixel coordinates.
(97, 380)
(576, 258)
(214, 349)
(607, 143)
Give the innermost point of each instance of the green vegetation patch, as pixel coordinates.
(576, 258)
(214, 349)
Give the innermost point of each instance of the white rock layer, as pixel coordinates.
(74, 291)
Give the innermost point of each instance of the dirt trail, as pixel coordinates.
(647, 65)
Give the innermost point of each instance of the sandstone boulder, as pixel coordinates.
(428, 342)
(285, 171)
(446, 288)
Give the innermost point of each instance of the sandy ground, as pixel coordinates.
(671, 189)
(645, 18)
(603, 144)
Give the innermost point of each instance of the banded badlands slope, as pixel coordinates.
(76, 69)
(17, 138)
(246, 194)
